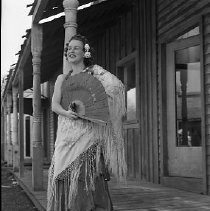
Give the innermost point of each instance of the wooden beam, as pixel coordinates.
(9, 140)
(21, 124)
(2, 134)
(23, 60)
(37, 161)
(38, 11)
(15, 130)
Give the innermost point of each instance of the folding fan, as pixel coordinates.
(85, 95)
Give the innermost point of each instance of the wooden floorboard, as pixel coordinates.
(132, 196)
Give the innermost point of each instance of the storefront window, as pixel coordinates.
(188, 96)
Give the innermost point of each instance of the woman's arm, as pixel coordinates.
(56, 98)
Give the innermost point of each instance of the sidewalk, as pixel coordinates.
(131, 196)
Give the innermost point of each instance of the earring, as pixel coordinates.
(87, 52)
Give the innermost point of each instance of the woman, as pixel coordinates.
(85, 150)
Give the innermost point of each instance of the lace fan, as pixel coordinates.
(87, 97)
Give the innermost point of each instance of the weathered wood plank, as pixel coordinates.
(107, 50)
(136, 155)
(172, 6)
(103, 51)
(188, 12)
(134, 22)
(112, 51)
(21, 124)
(131, 153)
(118, 43)
(129, 34)
(207, 39)
(123, 37)
(135, 196)
(207, 29)
(164, 5)
(207, 68)
(208, 150)
(154, 82)
(207, 48)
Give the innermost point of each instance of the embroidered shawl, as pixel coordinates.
(80, 141)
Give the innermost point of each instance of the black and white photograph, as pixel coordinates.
(105, 105)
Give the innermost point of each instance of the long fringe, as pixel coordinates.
(106, 139)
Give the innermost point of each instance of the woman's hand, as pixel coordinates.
(70, 114)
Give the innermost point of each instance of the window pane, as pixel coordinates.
(188, 97)
(190, 33)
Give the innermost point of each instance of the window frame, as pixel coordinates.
(121, 65)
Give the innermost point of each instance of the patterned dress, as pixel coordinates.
(84, 151)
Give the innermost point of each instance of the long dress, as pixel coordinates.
(84, 150)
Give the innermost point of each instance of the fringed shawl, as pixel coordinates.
(80, 141)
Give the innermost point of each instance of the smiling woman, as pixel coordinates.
(14, 22)
(78, 48)
(85, 150)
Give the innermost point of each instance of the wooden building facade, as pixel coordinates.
(160, 49)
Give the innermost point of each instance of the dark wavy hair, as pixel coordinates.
(87, 61)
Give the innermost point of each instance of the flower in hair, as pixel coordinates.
(87, 52)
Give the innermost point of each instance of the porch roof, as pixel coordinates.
(90, 21)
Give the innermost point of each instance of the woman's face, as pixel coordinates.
(75, 52)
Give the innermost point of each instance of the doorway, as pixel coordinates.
(184, 114)
(184, 108)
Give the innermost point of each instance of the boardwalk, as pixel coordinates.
(132, 196)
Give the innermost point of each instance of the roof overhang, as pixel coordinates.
(90, 21)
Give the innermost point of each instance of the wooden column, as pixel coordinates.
(70, 9)
(5, 132)
(9, 139)
(21, 124)
(2, 134)
(37, 158)
(15, 130)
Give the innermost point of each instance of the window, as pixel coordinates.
(193, 32)
(127, 74)
(188, 96)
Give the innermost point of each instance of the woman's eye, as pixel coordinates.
(75, 48)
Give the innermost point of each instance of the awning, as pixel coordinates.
(90, 20)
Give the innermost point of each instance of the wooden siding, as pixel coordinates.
(206, 50)
(115, 42)
(112, 45)
(132, 147)
(134, 32)
(174, 18)
(172, 14)
(148, 93)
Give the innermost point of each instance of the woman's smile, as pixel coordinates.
(71, 55)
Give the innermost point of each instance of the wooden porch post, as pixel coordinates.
(5, 133)
(15, 130)
(9, 139)
(37, 158)
(2, 133)
(21, 124)
(70, 9)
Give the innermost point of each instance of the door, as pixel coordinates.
(183, 82)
